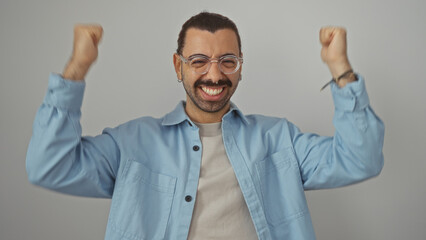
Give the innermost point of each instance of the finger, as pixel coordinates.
(96, 33)
(339, 33)
(326, 35)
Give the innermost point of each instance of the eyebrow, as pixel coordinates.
(197, 55)
(203, 55)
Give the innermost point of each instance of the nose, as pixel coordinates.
(214, 72)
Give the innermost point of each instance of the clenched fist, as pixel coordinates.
(334, 51)
(85, 51)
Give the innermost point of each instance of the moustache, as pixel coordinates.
(210, 83)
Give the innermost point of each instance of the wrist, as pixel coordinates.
(345, 78)
(342, 73)
(75, 70)
(337, 68)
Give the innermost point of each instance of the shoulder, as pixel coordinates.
(272, 132)
(136, 126)
(275, 127)
(267, 121)
(256, 119)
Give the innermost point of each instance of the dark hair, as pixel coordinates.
(206, 21)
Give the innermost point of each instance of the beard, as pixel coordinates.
(209, 106)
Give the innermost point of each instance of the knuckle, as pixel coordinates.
(342, 30)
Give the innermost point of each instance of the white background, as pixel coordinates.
(282, 75)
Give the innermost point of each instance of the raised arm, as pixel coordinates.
(354, 153)
(85, 51)
(58, 157)
(334, 54)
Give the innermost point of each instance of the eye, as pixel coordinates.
(199, 62)
(229, 62)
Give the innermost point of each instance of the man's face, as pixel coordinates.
(212, 91)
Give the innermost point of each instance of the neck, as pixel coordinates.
(200, 116)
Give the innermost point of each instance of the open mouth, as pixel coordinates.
(212, 91)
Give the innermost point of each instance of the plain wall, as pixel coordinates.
(282, 75)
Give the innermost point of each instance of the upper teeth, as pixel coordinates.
(212, 91)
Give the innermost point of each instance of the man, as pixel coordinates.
(204, 170)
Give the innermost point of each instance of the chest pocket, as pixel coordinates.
(141, 203)
(281, 187)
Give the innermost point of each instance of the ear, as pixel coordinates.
(177, 63)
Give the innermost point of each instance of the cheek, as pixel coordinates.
(235, 80)
(189, 79)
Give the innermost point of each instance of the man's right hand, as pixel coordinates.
(85, 52)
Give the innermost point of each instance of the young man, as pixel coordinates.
(204, 170)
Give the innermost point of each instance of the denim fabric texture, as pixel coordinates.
(150, 166)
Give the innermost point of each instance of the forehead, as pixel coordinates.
(223, 41)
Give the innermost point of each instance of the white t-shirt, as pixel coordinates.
(220, 211)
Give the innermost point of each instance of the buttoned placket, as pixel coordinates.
(245, 180)
(190, 189)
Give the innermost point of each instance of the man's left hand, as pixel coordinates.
(334, 52)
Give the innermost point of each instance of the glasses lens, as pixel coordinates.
(229, 64)
(199, 65)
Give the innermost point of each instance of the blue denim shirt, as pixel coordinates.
(150, 167)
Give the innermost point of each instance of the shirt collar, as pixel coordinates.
(179, 115)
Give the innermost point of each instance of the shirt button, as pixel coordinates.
(195, 148)
(188, 198)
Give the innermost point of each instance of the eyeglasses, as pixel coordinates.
(228, 64)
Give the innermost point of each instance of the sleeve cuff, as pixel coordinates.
(352, 97)
(64, 93)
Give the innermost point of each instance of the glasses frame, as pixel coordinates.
(216, 60)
